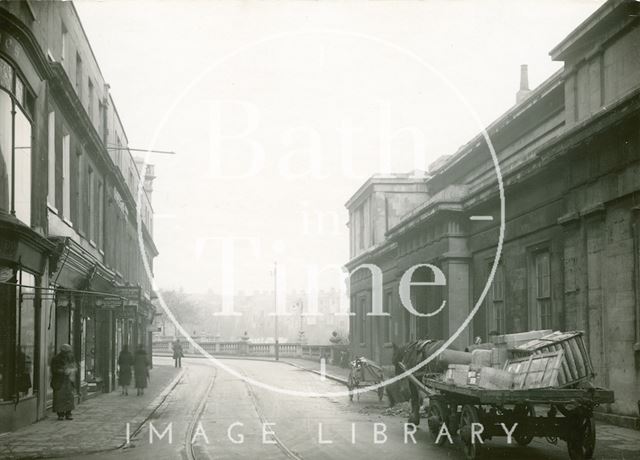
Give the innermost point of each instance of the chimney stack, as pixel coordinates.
(524, 90)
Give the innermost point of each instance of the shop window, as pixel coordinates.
(26, 333)
(90, 347)
(18, 332)
(49, 307)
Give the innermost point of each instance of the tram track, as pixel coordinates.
(278, 442)
(189, 449)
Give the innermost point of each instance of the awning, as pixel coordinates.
(76, 268)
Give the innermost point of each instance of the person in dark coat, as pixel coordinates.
(63, 372)
(141, 369)
(177, 353)
(125, 361)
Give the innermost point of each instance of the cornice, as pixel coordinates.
(10, 225)
(21, 32)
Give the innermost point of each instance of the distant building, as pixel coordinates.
(569, 154)
(70, 267)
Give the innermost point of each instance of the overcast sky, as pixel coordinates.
(279, 110)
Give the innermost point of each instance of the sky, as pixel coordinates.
(279, 111)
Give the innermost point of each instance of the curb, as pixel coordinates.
(329, 376)
(152, 407)
(257, 358)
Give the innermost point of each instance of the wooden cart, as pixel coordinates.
(569, 416)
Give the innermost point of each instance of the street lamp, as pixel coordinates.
(299, 305)
(275, 305)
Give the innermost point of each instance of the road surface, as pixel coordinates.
(212, 414)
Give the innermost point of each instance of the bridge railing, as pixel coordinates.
(162, 346)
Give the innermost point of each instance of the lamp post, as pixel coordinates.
(275, 304)
(299, 305)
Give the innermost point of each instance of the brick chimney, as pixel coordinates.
(524, 90)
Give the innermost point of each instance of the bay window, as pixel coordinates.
(15, 145)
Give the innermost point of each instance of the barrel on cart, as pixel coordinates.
(478, 413)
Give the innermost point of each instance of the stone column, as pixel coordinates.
(457, 293)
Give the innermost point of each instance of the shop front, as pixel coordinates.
(81, 285)
(23, 274)
(134, 319)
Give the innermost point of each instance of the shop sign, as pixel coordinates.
(111, 303)
(130, 292)
(127, 312)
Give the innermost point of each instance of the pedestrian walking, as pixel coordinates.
(141, 369)
(125, 361)
(177, 353)
(63, 372)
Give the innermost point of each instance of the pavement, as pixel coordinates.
(336, 373)
(221, 406)
(100, 422)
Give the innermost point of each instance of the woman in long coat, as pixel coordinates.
(63, 372)
(141, 369)
(125, 361)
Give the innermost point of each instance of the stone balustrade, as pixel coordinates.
(246, 348)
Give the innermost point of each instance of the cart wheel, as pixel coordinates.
(523, 411)
(437, 416)
(380, 393)
(583, 443)
(472, 447)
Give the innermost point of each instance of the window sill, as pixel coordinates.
(67, 221)
(52, 208)
(92, 243)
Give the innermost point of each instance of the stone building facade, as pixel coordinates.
(569, 157)
(70, 267)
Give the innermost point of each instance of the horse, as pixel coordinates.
(410, 355)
